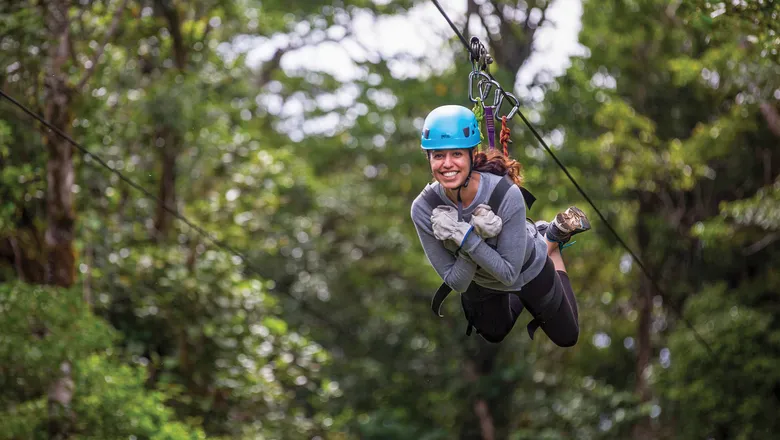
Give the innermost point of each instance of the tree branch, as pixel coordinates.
(168, 10)
(473, 371)
(268, 67)
(18, 256)
(760, 244)
(486, 425)
(111, 30)
(772, 117)
(514, 45)
(471, 8)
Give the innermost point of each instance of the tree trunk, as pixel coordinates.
(61, 218)
(167, 190)
(772, 117)
(167, 8)
(478, 420)
(170, 149)
(26, 246)
(644, 303)
(514, 45)
(61, 260)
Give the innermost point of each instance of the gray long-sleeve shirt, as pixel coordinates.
(497, 269)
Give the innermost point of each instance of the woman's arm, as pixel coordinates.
(457, 272)
(506, 261)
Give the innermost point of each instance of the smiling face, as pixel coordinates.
(450, 167)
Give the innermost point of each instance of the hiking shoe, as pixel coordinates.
(566, 224)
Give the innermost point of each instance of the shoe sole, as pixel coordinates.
(578, 216)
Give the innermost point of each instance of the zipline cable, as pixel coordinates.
(576, 185)
(219, 243)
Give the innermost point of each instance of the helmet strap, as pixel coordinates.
(471, 169)
(460, 205)
(466, 182)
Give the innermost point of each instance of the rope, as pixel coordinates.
(504, 136)
(219, 243)
(636, 259)
(479, 112)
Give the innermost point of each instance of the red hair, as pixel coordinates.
(494, 162)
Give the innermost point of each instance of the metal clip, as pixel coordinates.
(498, 96)
(484, 86)
(515, 108)
(483, 77)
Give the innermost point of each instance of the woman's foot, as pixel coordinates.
(565, 225)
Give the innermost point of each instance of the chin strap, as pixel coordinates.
(460, 204)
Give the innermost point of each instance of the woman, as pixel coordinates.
(499, 262)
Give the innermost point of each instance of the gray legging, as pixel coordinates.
(549, 298)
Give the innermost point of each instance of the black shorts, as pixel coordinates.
(548, 297)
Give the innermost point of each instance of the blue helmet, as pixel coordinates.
(450, 127)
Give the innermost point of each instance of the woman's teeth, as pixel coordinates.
(450, 173)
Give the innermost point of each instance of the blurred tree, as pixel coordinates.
(58, 252)
(46, 329)
(668, 109)
(324, 329)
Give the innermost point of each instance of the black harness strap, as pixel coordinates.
(529, 198)
(549, 311)
(444, 290)
(496, 197)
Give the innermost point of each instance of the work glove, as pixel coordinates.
(486, 223)
(446, 226)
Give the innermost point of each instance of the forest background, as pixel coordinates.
(310, 319)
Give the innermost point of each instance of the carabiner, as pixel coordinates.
(516, 108)
(484, 87)
(498, 97)
(471, 83)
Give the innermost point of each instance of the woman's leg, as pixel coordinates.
(550, 299)
(554, 252)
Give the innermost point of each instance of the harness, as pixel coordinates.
(496, 198)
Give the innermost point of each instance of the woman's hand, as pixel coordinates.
(486, 223)
(446, 226)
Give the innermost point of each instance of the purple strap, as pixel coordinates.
(491, 128)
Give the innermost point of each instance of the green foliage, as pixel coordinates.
(205, 328)
(46, 328)
(760, 211)
(21, 185)
(731, 393)
(53, 326)
(677, 113)
(113, 403)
